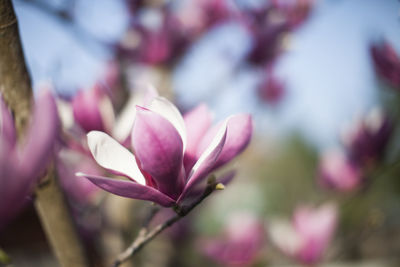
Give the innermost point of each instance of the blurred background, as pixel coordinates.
(319, 183)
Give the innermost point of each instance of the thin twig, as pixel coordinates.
(145, 237)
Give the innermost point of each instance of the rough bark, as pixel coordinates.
(16, 89)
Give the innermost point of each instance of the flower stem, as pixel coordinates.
(145, 237)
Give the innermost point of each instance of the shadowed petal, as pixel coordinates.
(87, 109)
(41, 136)
(142, 96)
(158, 146)
(7, 124)
(197, 122)
(130, 189)
(166, 109)
(111, 155)
(14, 188)
(239, 131)
(207, 160)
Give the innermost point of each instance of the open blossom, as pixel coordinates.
(367, 138)
(171, 154)
(240, 243)
(386, 63)
(22, 164)
(338, 172)
(308, 235)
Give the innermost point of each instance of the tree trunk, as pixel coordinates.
(17, 93)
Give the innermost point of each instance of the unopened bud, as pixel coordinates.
(219, 186)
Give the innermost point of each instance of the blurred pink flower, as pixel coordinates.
(308, 235)
(295, 12)
(162, 43)
(271, 89)
(267, 36)
(161, 139)
(240, 243)
(387, 63)
(93, 110)
(22, 164)
(367, 138)
(338, 172)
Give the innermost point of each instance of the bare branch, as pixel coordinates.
(145, 237)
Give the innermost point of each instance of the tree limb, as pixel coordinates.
(145, 237)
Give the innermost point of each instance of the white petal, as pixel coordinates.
(66, 113)
(213, 145)
(169, 111)
(285, 237)
(111, 155)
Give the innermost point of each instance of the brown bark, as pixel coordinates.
(16, 90)
(14, 78)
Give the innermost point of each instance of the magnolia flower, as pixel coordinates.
(22, 164)
(92, 110)
(240, 243)
(271, 89)
(309, 234)
(366, 139)
(157, 37)
(295, 12)
(338, 172)
(267, 42)
(171, 154)
(386, 63)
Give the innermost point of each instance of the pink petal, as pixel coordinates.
(239, 131)
(41, 136)
(316, 228)
(7, 124)
(207, 160)
(91, 109)
(170, 112)
(197, 122)
(159, 148)
(130, 189)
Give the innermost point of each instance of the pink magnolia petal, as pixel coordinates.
(197, 122)
(86, 110)
(41, 136)
(169, 111)
(159, 148)
(207, 160)
(316, 228)
(13, 187)
(111, 155)
(130, 189)
(239, 132)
